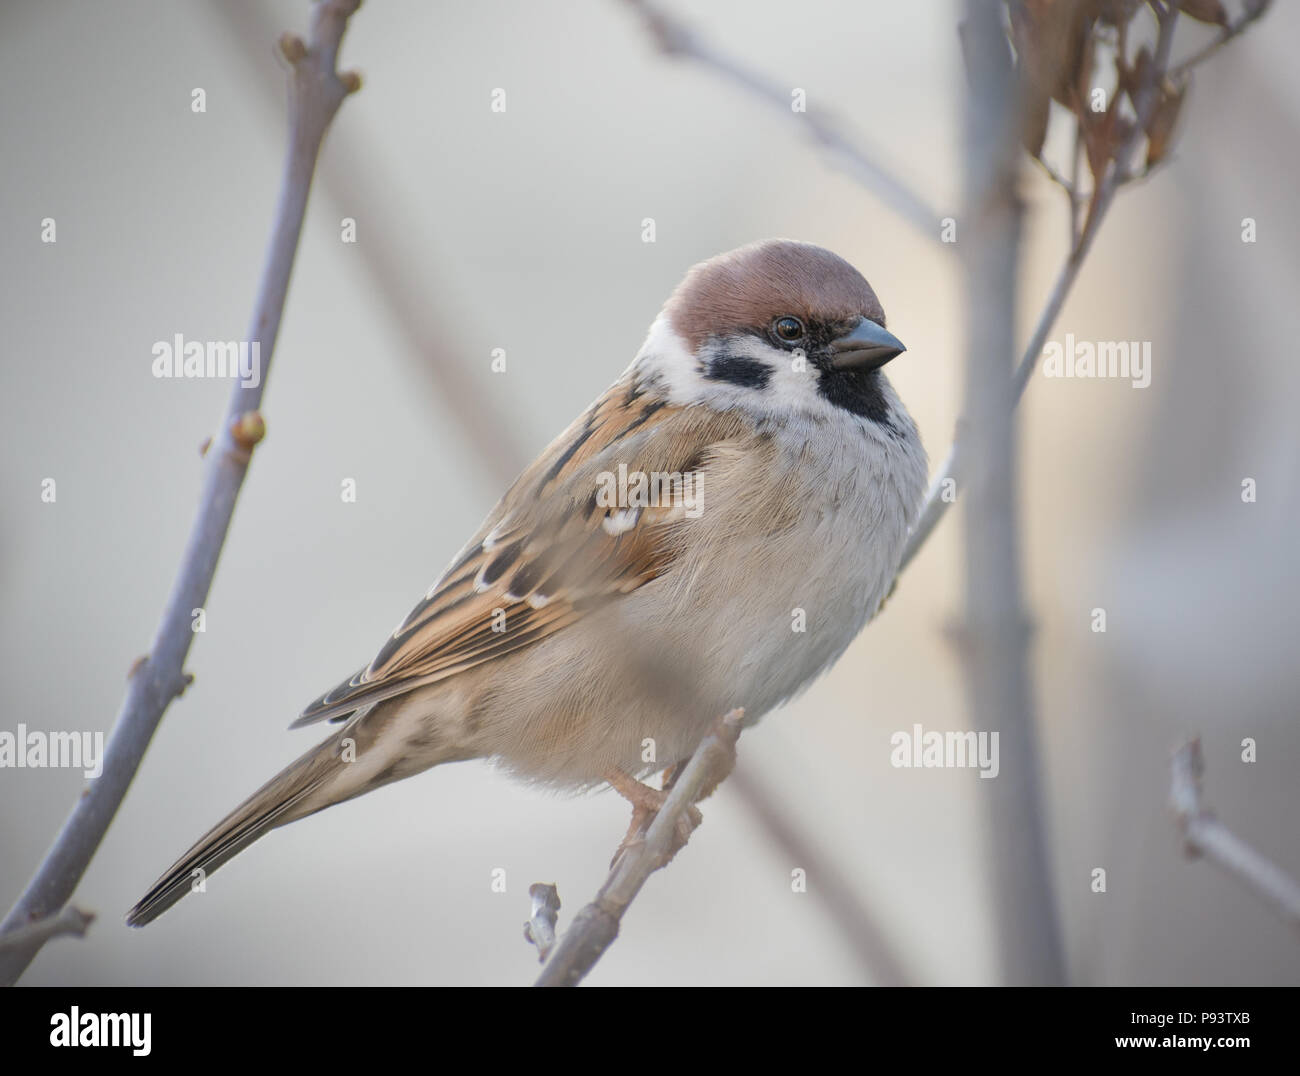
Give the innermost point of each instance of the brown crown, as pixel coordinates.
(749, 287)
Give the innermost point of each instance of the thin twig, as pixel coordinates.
(1072, 191)
(675, 38)
(1204, 835)
(316, 90)
(1254, 9)
(596, 926)
(69, 920)
(953, 472)
(540, 928)
(1055, 176)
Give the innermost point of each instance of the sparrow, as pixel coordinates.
(710, 534)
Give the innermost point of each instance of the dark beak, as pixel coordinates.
(866, 347)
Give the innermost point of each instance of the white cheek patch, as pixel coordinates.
(794, 378)
(789, 380)
(684, 375)
(665, 357)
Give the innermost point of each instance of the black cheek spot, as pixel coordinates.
(739, 370)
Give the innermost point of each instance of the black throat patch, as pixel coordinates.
(858, 391)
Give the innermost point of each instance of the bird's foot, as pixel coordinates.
(646, 804)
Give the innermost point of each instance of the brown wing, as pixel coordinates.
(551, 551)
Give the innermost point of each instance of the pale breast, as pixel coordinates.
(796, 543)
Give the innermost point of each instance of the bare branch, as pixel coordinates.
(953, 473)
(1253, 10)
(1204, 835)
(68, 920)
(1056, 177)
(1155, 84)
(596, 926)
(316, 90)
(1072, 191)
(540, 928)
(858, 927)
(993, 635)
(675, 38)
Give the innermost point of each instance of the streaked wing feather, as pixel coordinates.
(546, 555)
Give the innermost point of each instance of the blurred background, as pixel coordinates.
(522, 230)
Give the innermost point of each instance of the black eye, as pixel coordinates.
(788, 329)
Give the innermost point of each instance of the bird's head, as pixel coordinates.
(774, 327)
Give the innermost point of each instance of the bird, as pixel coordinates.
(710, 534)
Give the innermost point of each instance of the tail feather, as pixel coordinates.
(387, 742)
(298, 790)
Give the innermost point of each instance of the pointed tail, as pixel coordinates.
(365, 753)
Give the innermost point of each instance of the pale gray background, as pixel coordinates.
(522, 231)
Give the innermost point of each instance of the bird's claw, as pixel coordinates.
(646, 804)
